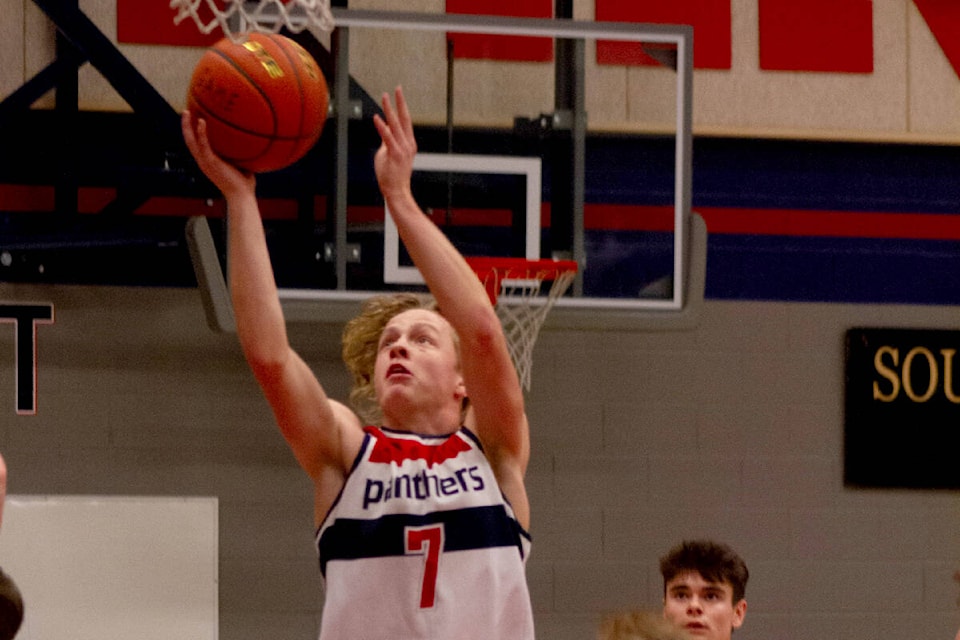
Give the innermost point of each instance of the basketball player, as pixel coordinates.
(421, 521)
(11, 602)
(704, 584)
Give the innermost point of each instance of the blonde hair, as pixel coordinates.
(361, 339)
(639, 625)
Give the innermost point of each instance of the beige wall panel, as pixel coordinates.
(934, 89)
(606, 88)
(723, 98)
(651, 100)
(416, 61)
(38, 34)
(425, 6)
(816, 104)
(11, 46)
(168, 69)
(625, 98)
(913, 92)
(96, 94)
(382, 59)
(489, 92)
(584, 10)
(485, 92)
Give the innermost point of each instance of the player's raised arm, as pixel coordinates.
(492, 383)
(321, 433)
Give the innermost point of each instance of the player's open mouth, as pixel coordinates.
(396, 369)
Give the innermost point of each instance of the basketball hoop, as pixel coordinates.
(237, 18)
(516, 289)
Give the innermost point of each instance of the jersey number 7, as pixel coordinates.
(426, 541)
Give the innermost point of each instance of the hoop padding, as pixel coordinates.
(265, 16)
(522, 299)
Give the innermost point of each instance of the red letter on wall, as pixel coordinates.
(816, 35)
(495, 47)
(711, 30)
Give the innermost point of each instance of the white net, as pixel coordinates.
(237, 18)
(525, 296)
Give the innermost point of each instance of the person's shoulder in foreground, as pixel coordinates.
(639, 625)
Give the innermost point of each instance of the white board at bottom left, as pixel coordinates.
(113, 567)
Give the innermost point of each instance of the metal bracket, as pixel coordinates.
(354, 109)
(330, 252)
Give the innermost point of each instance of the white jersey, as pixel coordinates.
(421, 544)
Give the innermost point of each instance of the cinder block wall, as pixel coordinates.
(732, 430)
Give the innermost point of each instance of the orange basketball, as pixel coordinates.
(264, 100)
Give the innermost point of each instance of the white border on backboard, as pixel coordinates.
(680, 35)
(530, 168)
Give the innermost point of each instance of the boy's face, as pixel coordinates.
(417, 363)
(705, 609)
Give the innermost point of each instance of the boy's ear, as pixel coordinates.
(739, 611)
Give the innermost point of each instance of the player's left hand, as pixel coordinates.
(394, 159)
(229, 179)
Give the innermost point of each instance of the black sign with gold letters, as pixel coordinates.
(902, 411)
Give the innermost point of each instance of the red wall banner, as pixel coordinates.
(816, 35)
(140, 22)
(711, 27)
(494, 47)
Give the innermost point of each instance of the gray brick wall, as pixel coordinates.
(731, 430)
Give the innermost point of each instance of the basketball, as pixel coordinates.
(264, 100)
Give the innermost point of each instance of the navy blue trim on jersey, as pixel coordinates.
(473, 437)
(424, 436)
(464, 529)
(476, 440)
(367, 440)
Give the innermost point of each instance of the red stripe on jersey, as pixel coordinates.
(388, 449)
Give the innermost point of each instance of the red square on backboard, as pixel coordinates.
(710, 19)
(497, 47)
(816, 35)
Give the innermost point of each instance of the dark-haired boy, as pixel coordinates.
(704, 584)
